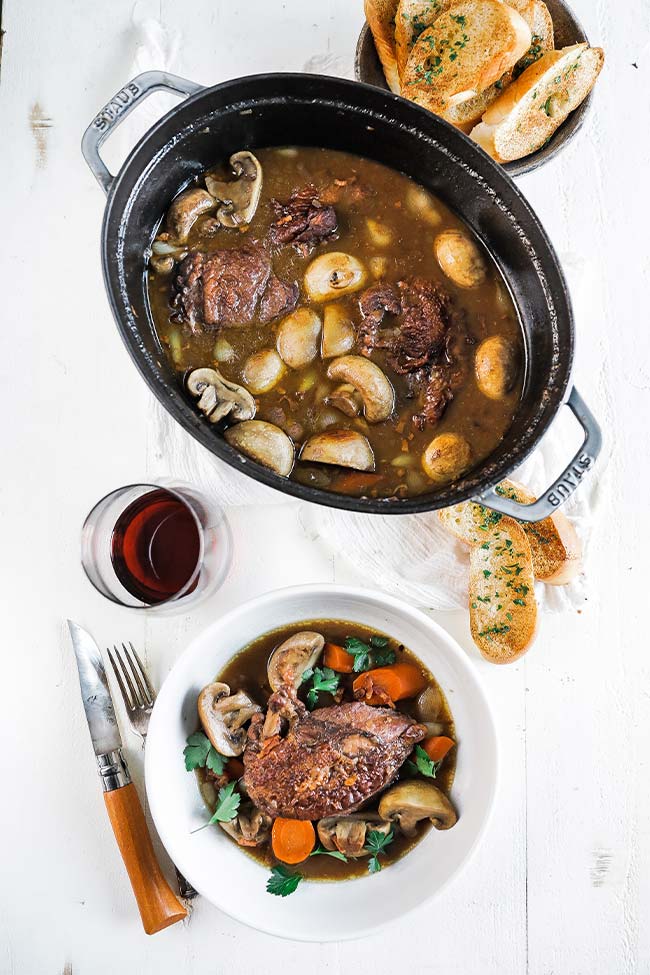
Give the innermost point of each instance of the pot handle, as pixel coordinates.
(562, 488)
(117, 109)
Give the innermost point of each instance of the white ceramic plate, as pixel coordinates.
(234, 882)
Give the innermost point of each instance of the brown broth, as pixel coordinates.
(247, 671)
(298, 398)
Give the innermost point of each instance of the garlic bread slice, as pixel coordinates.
(502, 604)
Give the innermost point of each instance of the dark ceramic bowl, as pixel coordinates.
(568, 30)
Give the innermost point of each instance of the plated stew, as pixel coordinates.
(336, 322)
(326, 750)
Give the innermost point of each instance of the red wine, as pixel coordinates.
(155, 546)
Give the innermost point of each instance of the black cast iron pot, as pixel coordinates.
(297, 109)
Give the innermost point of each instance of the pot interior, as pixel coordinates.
(277, 110)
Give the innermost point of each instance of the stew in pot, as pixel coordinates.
(336, 322)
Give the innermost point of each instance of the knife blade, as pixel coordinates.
(95, 693)
(158, 905)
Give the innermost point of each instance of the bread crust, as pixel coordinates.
(380, 15)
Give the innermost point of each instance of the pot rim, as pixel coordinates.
(486, 169)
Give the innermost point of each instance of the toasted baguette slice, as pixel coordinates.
(540, 22)
(411, 19)
(536, 104)
(380, 15)
(469, 522)
(465, 115)
(502, 604)
(554, 543)
(465, 50)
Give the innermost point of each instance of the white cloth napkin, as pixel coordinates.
(411, 556)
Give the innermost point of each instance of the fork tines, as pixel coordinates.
(132, 677)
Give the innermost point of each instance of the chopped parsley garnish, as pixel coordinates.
(282, 882)
(376, 844)
(496, 630)
(546, 107)
(199, 752)
(375, 653)
(322, 679)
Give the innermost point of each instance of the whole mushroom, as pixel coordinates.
(407, 803)
(460, 258)
(496, 366)
(447, 457)
(218, 397)
(293, 657)
(223, 716)
(239, 197)
(332, 275)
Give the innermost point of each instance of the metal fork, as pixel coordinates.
(138, 696)
(137, 692)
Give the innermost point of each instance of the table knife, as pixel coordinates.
(158, 905)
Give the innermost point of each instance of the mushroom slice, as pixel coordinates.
(297, 337)
(185, 210)
(263, 370)
(347, 834)
(238, 197)
(218, 397)
(223, 716)
(460, 258)
(447, 457)
(375, 389)
(291, 659)
(265, 443)
(338, 331)
(346, 399)
(345, 448)
(250, 827)
(409, 802)
(332, 275)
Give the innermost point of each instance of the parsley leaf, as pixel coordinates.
(199, 753)
(376, 843)
(227, 805)
(423, 764)
(330, 853)
(282, 882)
(375, 653)
(323, 679)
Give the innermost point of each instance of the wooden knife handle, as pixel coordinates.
(159, 907)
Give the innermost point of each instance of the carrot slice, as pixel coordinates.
(437, 747)
(353, 481)
(292, 839)
(385, 685)
(338, 658)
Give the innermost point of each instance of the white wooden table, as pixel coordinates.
(561, 883)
